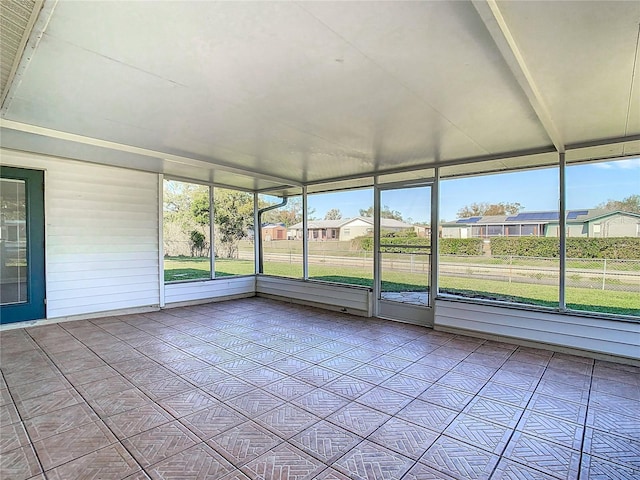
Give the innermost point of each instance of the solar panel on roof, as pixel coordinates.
(572, 215)
(469, 220)
(535, 216)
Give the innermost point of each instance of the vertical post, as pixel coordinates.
(161, 240)
(256, 235)
(305, 235)
(604, 274)
(562, 305)
(377, 281)
(435, 239)
(212, 245)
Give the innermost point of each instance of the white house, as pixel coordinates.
(347, 228)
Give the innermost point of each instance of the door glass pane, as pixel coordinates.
(13, 242)
(405, 251)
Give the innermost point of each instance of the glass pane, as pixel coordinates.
(340, 228)
(233, 232)
(499, 237)
(603, 237)
(281, 247)
(185, 231)
(405, 252)
(13, 242)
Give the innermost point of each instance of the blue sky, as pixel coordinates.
(587, 186)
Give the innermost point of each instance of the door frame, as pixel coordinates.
(35, 306)
(388, 309)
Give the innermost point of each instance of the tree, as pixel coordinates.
(233, 217)
(186, 210)
(628, 204)
(198, 243)
(333, 214)
(385, 212)
(484, 208)
(289, 214)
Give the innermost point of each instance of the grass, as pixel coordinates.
(584, 299)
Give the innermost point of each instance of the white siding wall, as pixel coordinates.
(221, 288)
(600, 335)
(101, 235)
(356, 300)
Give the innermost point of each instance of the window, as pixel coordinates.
(186, 231)
(513, 230)
(500, 263)
(347, 254)
(281, 246)
(603, 251)
(495, 230)
(233, 232)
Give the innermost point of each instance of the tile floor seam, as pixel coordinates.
(584, 429)
(31, 443)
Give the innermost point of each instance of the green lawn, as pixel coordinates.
(622, 303)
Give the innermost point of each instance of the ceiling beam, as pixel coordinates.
(495, 22)
(179, 159)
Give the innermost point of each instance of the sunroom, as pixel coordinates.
(154, 156)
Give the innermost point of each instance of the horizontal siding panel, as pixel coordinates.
(575, 325)
(60, 275)
(108, 218)
(102, 236)
(71, 208)
(84, 249)
(98, 286)
(333, 295)
(85, 174)
(106, 259)
(122, 299)
(99, 192)
(69, 308)
(598, 335)
(189, 291)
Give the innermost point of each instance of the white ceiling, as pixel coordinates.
(258, 95)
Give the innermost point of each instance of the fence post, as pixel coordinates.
(604, 273)
(510, 266)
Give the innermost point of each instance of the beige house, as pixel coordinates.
(347, 228)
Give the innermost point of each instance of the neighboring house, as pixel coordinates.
(580, 223)
(348, 228)
(274, 231)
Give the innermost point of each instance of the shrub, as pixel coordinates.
(613, 248)
(448, 246)
(461, 246)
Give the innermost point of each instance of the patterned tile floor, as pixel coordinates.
(265, 390)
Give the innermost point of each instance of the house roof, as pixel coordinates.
(320, 224)
(542, 217)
